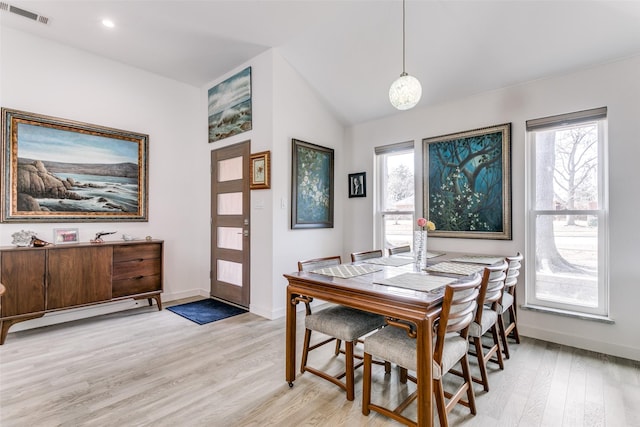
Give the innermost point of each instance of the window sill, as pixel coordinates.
(567, 313)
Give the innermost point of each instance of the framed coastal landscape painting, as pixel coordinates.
(59, 170)
(230, 106)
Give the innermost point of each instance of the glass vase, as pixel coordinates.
(420, 249)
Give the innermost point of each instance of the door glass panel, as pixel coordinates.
(230, 272)
(230, 238)
(230, 169)
(230, 203)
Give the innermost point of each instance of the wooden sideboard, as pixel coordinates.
(52, 278)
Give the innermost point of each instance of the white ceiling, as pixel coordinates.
(350, 51)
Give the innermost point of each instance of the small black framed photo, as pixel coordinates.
(358, 184)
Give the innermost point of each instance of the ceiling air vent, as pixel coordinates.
(24, 13)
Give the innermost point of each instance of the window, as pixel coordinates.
(567, 230)
(395, 195)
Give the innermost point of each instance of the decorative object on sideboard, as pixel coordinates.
(22, 238)
(99, 235)
(59, 170)
(63, 236)
(38, 243)
(129, 238)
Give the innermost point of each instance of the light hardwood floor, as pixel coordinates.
(149, 368)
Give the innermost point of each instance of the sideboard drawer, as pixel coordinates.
(136, 285)
(137, 269)
(134, 252)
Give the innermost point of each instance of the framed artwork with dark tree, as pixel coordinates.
(468, 193)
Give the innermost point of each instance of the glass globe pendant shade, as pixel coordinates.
(405, 92)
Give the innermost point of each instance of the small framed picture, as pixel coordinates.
(358, 184)
(63, 236)
(260, 170)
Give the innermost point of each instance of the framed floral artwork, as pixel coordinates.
(260, 170)
(468, 193)
(311, 186)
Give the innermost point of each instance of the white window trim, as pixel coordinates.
(602, 310)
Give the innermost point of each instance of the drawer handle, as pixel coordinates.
(138, 277)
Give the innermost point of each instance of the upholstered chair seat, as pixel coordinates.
(343, 323)
(397, 344)
(338, 323)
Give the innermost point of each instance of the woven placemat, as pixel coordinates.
(346, 271)
(455, 268)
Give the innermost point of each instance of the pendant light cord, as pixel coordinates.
(403, 39)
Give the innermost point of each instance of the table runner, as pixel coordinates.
(478, 259)
(455, 268)
(346, 271)
(412, 255)
(416, 281)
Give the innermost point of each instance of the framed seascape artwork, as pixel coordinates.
(468, 193)
(65, 235)
(58, 170)
(358, 184)
(230, 106)
(260, 170)
(311, 186)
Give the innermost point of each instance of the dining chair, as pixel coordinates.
(397, 344)
(339, 323)
(486, 320)
(359, 256)
(399, 250)
(508, 304)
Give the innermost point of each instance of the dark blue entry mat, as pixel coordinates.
(206, 311)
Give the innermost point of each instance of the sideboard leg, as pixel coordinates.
(4, 330)
(158, 301)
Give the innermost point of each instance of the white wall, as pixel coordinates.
(261, 137)
(44, 77)
(299, 113)
(614, 85)
(48, 78)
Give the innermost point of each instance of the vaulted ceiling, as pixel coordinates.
(349, 50)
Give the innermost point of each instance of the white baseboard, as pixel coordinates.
(580, 342)
(98, 310)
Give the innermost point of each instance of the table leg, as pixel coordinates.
(290, 359)
(424, 373)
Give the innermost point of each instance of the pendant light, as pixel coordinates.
(406, 91)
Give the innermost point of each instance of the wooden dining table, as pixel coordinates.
(365, 292)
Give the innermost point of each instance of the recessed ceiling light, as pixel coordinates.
(108, 23)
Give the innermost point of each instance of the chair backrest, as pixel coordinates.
(491, 288)
(399, 249)
(513, 271)
(458, 307)
(359, 256)
(313, 264)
